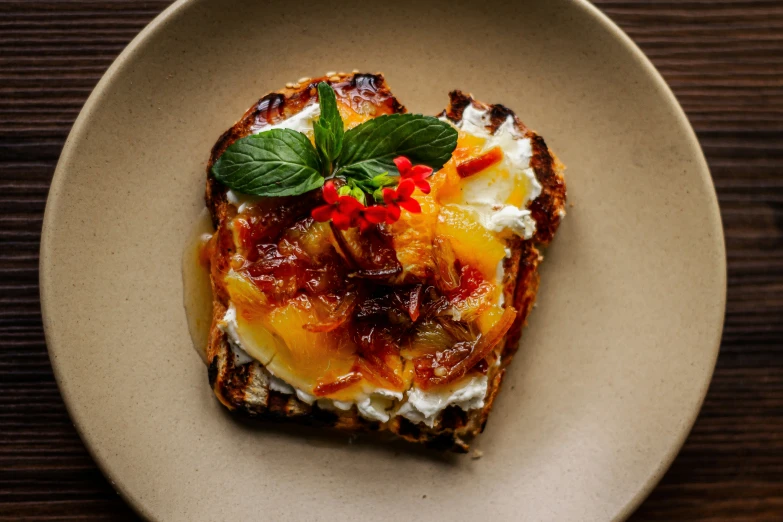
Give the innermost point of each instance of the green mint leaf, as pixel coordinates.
(329, 128)
(370, 147)
(278, 162)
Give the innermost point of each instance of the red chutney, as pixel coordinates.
(347, 305)
(352, 284)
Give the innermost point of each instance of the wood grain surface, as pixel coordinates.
(724, 60)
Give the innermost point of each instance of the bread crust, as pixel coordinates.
(245, 389)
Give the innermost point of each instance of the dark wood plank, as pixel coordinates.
(723, 59)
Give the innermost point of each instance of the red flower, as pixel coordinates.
(400, 197)
(365, 217)
(339, 209)
(346, 211)
(416, 173)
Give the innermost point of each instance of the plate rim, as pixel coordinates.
(176, 9)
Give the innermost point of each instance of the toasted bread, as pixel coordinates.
(247, 388)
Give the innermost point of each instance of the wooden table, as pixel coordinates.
(724, 60)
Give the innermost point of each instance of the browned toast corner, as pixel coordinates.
(248, 388)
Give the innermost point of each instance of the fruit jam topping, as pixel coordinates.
(389, 305)
(351, 286)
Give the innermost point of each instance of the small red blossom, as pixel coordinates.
(400, 198)
(346, 211)
(416, 173)
(339, 209)
(366, 217)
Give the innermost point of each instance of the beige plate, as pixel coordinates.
(617, 356)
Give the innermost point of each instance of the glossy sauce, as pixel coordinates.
(196, 287)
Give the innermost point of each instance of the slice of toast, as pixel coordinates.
(246, 387)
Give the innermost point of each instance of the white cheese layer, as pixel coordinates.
(426, 406)
(519, 221)
(302, 121)
(488, 191)
(229, 327)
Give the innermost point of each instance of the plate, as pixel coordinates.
(617, 355)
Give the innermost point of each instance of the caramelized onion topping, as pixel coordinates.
(450, 364)
(349, 282)
(329, 388)
(370, 254)
(447, 275)
(333, 315)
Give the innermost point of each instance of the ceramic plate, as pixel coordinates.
(617, 356)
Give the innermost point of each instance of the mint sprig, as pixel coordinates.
(283, 162)
(329, 128)
(370, 147)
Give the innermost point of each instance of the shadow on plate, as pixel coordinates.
(327, 437)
